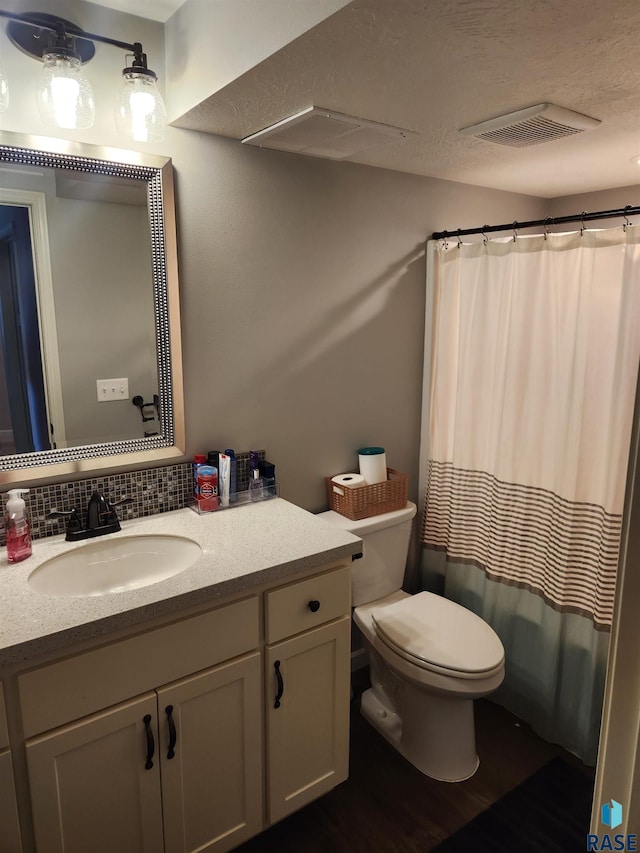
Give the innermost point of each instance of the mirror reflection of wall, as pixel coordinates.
(93, 253)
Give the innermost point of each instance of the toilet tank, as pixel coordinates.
(386, 545)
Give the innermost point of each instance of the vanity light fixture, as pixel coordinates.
(4, 91)
(140, 111)
(64, 95)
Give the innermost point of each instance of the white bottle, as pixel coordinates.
(256, 486)
(17, 527)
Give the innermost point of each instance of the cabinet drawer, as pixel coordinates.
(76, 686)
(4, 735)
(291, 609)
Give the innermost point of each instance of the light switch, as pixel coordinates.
(112, 389)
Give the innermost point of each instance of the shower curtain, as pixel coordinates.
(530, 377)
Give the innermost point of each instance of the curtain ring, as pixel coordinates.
(459, 240)
(485, 239)
(445, 241)
(546, 227)
(515, 231)
(626, 218)
(582, 226)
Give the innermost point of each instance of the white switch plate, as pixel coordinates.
(112, 389)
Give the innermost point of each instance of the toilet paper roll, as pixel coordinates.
(349, 481)
(373, 464)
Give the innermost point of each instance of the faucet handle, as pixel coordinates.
(123, 501)
(73, 522)
(111, 514)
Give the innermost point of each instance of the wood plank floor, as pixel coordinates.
(387, 806)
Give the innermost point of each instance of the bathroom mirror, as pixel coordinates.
(90, 349)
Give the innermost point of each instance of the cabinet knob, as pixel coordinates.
(314, 605)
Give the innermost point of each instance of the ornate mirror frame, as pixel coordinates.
(157, 173)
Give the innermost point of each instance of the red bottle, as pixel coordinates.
(207, 488)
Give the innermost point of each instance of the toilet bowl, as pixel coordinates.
(429, 658)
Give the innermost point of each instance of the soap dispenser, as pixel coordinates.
(17, 527)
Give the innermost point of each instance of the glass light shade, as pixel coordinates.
(64, 95)
(140, 111)
(4, 91)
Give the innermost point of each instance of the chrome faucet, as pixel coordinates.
(101, 516)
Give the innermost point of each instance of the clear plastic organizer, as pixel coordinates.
(241, 499)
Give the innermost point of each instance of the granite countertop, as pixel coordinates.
(241, 548)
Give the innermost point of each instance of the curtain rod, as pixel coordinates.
(585, 216)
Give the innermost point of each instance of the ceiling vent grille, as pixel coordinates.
(532, 126)
(324, 133)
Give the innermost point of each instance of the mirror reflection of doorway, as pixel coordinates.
(24, 425)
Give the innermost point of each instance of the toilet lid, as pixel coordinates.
(437, 632)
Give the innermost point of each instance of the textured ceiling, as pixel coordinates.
(153, 10)
(437, 67)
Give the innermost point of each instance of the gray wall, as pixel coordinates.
(303, 297)
(302, 285)
(614, 199)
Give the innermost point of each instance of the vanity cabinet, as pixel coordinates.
(155, 742)
(177, 770)
(307, 690)
(9, 827)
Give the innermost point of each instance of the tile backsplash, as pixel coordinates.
(153, 490)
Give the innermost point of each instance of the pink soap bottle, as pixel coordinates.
(17, 527)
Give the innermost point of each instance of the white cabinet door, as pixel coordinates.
(95, 784)
(9, 828)
(307, 696)
(211, 746)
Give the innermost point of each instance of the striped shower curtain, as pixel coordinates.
(532, 368)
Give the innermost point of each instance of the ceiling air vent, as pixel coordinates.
(532, 126)
(324, 133)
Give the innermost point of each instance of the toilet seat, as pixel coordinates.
(438, 635)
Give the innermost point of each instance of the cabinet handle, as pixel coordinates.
(276, 666)
(172, 732)
(150, 742)
(314, 605)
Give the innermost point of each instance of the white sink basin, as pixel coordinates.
(114, 565)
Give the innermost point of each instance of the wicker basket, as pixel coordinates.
(364, 501)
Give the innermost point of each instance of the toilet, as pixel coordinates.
(429, 658)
